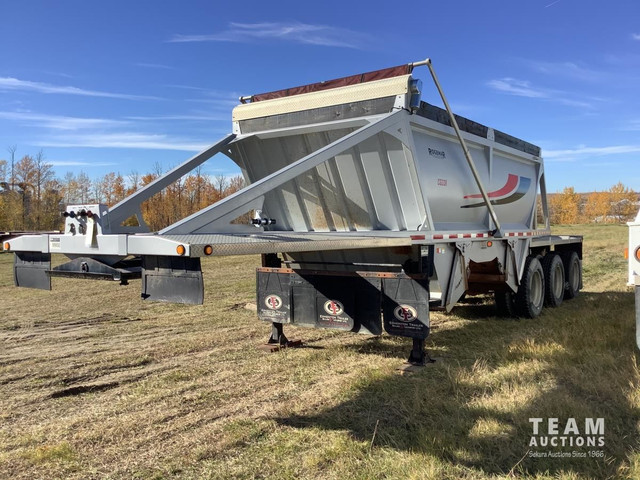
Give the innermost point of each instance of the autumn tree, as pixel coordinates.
(84, 188)
(597, 207)
(623, 202)
(565, 207)
(43, 176)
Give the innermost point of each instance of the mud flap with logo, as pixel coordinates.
(405, 306)
(172, 279)
(273, 295)
(349, 302)
(30, 270)
(341, 302)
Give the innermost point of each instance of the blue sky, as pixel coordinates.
(119, 86)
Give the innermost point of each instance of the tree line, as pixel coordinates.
(33, 198)
(615, 205)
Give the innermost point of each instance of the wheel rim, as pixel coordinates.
(558, 281)
(575, 275)
(537, 290)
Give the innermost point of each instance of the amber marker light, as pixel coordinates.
(208, 250)
(637, 254)
(6, 246)
(180, 250)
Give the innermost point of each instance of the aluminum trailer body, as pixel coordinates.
(369, 206)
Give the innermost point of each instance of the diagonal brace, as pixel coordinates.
(131, 205)
(233, 202)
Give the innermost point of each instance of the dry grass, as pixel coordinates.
(96, 383)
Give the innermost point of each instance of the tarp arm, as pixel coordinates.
(131, 205)
(467, 154)
(215, 212)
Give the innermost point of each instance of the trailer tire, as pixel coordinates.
(505, 304)
(530, 297)
(554, 280)
(572, 273)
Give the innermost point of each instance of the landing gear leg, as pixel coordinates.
(278, 340)
(277, 335)
(419, 355)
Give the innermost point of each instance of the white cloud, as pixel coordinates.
(571, 70)
(204, 118)
(154, 65)
(10, 83)
(635, 36)
(524, 88)
(75, 163)
(59, 122)
(520, 88)
(583, 151)
(123, 140)
(323, 35)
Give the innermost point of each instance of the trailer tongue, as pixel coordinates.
(368, 205)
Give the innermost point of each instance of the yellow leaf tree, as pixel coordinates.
(565, 207)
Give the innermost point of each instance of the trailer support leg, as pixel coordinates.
(278, 340)
(419, 355)
(277, 335)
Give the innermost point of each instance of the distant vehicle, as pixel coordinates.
(369, 206)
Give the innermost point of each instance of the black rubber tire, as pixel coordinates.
(572, 274)
(554, 282)
(530, 297)
(505, 304)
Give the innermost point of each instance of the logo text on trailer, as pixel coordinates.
(436, 153)
(405, 313)
(273, 302)
(333, 307)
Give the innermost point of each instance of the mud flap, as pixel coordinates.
(273, 296)
(350, 303)
(340, 302)
(172, 279)
(405, 306)
(30, 270)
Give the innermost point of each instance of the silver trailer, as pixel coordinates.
(369, 206)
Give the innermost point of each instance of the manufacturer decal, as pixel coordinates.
(436, 153)
(405, 313)
(54, 243)
(442, 182)
(513, 190)
(333, 307)
(273, 302)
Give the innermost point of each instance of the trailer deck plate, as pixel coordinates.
(269, 242)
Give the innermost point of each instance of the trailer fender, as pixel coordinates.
(30, 270)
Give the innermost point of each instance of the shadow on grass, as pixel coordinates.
(473, 409)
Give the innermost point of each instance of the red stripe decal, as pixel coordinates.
(510, 186)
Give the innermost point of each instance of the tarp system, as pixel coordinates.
(335, 83)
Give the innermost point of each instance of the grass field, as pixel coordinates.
(96, 383)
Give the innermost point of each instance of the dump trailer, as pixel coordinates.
(369, 206)
(634, 267)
